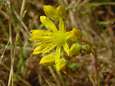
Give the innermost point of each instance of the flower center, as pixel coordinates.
(60, 38)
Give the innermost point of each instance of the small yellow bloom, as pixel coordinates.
(50, 41)
(53, 42)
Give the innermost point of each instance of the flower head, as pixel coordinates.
(52, 43)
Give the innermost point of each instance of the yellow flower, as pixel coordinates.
(53, 42)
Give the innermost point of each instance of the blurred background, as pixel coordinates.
(94, 18)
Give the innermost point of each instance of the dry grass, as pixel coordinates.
(18, 67)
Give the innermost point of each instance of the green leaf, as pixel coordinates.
(60, 64)
(73, 66)
(66, 48)
(47, 59)
(61, 25)
(50, 11)
(75, 49)
(48, 23)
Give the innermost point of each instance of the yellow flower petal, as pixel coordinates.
(48, 23)
(40, 34)
(37, 50)
(61, 12)
(58, 54)
(75, 34)
(48, 48)
(61, 64)
(66, 48)
(61, 25)
(47, 59)
(50, 11)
